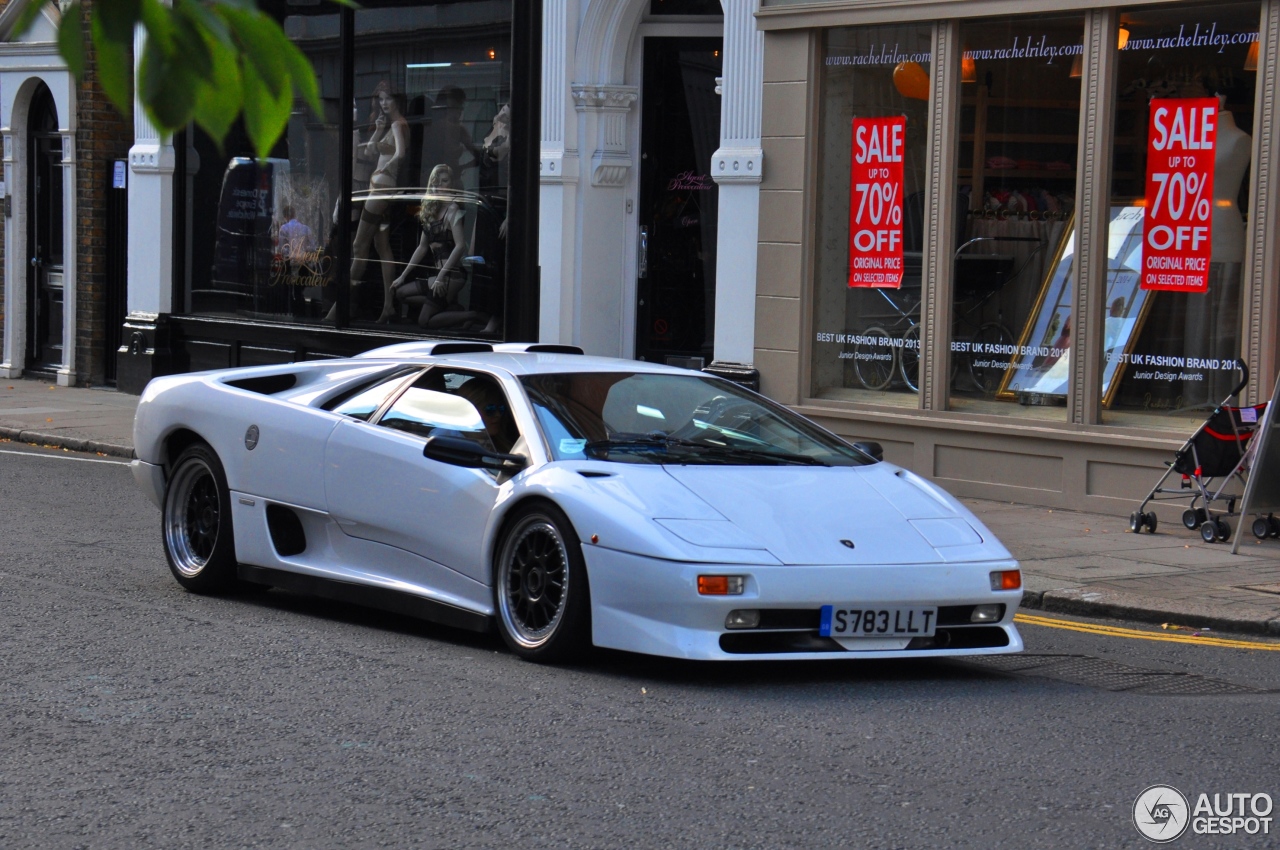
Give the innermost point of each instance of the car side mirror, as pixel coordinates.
(870, 448)
(460, 451)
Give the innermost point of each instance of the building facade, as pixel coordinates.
(1020, 329)
(64, 201)
(651, 167)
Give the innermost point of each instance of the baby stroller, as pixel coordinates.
(1217, 452)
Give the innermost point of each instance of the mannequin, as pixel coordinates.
(1213, 317)
(444, 238)
(389, 143)
(1232, 152)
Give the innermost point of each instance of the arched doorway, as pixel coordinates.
(45, 270)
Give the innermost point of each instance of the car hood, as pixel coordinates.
(804, 515)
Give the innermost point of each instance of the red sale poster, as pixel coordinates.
(1178, 228)
(875, 202)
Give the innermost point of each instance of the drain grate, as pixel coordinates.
(1111, 675)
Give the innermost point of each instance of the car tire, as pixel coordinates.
(196, 523)
(541, 597)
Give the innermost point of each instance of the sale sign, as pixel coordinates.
(875, 202)
(1179, 220)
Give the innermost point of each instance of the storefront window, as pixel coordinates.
(1182, 150)
(429, 158)
(872, 170)
(1020, 115)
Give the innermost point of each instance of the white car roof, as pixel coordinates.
(517, 359)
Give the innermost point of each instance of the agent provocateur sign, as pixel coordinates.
(875, 202)
(1180, 148)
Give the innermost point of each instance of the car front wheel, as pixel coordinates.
(197, 523)
(542, 598)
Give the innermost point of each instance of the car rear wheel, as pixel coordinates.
(540, 587)
(197, 523)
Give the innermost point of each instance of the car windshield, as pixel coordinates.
(630, 417)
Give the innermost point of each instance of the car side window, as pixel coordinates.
(362, 402)
(448, 403)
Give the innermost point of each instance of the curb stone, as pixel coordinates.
(1111, 605)
(62, 441)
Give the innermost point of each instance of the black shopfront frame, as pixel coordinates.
(195, 342)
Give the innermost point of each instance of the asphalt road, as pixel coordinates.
(138, 715)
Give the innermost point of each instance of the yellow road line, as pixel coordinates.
(1116, 631)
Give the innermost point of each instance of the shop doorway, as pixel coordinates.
(45, 293)
(676, 260)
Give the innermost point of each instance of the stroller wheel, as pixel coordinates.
(1193, 518)
(1261, 528)
(1275, 526)
(1209, 532)
(1224, 529)
(1149, 520)
(1135, 522)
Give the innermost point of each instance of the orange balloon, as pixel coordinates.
(911, 80)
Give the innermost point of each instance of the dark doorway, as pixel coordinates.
(679, 132)
(45, 291)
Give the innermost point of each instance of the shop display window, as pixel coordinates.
(1015, 196)
(872, 171)
(1180, 179)
(430, 172)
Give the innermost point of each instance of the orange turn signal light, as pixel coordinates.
(1006, 580)
(721, 585)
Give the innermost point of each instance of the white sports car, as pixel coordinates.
(569, 500)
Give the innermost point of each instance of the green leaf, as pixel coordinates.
(115, 66)
(190, 46)
(158, 19)
(118, 18)
(303, 76)
(220, 100)
(266, 112)
(260, 40)
(71, 39)
(167, 87)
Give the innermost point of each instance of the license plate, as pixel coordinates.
(841, 621)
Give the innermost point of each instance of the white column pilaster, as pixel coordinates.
(151, 165)
(67, 372)
(15, 273)
(738, 169)
(558, 175)
(599, 310)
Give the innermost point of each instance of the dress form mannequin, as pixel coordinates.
(1232, 152)
(389, 144)
(1213, 317)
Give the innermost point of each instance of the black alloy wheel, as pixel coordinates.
(196, 523)
(540, 587)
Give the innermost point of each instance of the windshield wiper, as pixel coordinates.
(659, 441)
(655, 440)
(762, 454)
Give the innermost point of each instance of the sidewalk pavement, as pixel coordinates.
(1072, 562)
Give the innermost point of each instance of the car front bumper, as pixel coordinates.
(646, 605)
(150, 479)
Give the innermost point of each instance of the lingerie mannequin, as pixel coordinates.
(444, 238)
(389, 144)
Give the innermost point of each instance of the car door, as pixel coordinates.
(380, 487)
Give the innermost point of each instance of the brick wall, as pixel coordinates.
(102, 136)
